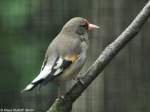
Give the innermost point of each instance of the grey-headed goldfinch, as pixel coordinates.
(66, 54)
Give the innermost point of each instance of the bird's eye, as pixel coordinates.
(84, 25)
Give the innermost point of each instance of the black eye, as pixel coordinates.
(84, 25)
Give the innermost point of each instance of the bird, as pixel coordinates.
(66, 54)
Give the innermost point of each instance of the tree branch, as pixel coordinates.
(64, 104)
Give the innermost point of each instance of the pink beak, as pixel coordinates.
(93, 26)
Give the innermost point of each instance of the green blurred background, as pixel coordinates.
(28, 26)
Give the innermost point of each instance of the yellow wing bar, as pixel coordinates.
(71, 57)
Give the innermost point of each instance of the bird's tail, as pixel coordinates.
(32, 85)
(38, 80)
(29, 87)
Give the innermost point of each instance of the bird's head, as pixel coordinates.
(79, 26)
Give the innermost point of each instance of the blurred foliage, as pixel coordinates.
(14, 13)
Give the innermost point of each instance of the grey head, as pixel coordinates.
(79, 26)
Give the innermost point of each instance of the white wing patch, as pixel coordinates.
(61, 65)
(57, 67)
(57, 72)
(50, 71)
(43, 74)
(43, 65)
(58, 63)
